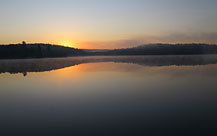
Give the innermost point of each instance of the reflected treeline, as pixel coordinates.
(40, 65)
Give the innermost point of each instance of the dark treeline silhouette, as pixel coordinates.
(37, 50)
(166, 49)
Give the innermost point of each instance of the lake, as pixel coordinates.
(109, 95)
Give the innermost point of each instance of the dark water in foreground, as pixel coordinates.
(107, 96)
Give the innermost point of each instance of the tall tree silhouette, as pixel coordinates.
(25, 49)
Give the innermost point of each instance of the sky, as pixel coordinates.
(108, 24)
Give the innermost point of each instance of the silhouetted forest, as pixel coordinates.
(37, 50)
(166, 49)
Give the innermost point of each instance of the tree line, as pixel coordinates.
(37, 50)
(166, 49)
(40, 50)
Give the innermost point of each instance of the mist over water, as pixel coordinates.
(136, 95)
(49, 64)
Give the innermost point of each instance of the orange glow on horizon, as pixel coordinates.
(68, 44)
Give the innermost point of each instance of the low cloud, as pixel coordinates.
(193, 37)
(210, 38)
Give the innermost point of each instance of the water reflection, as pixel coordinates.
(40, 65)
(110, 98)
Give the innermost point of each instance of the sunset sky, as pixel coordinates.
(106, 24)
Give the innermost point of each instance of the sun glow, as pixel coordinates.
(68, 44)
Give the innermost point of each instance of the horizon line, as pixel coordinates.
(160, 43)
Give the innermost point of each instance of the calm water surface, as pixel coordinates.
(152, 95)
